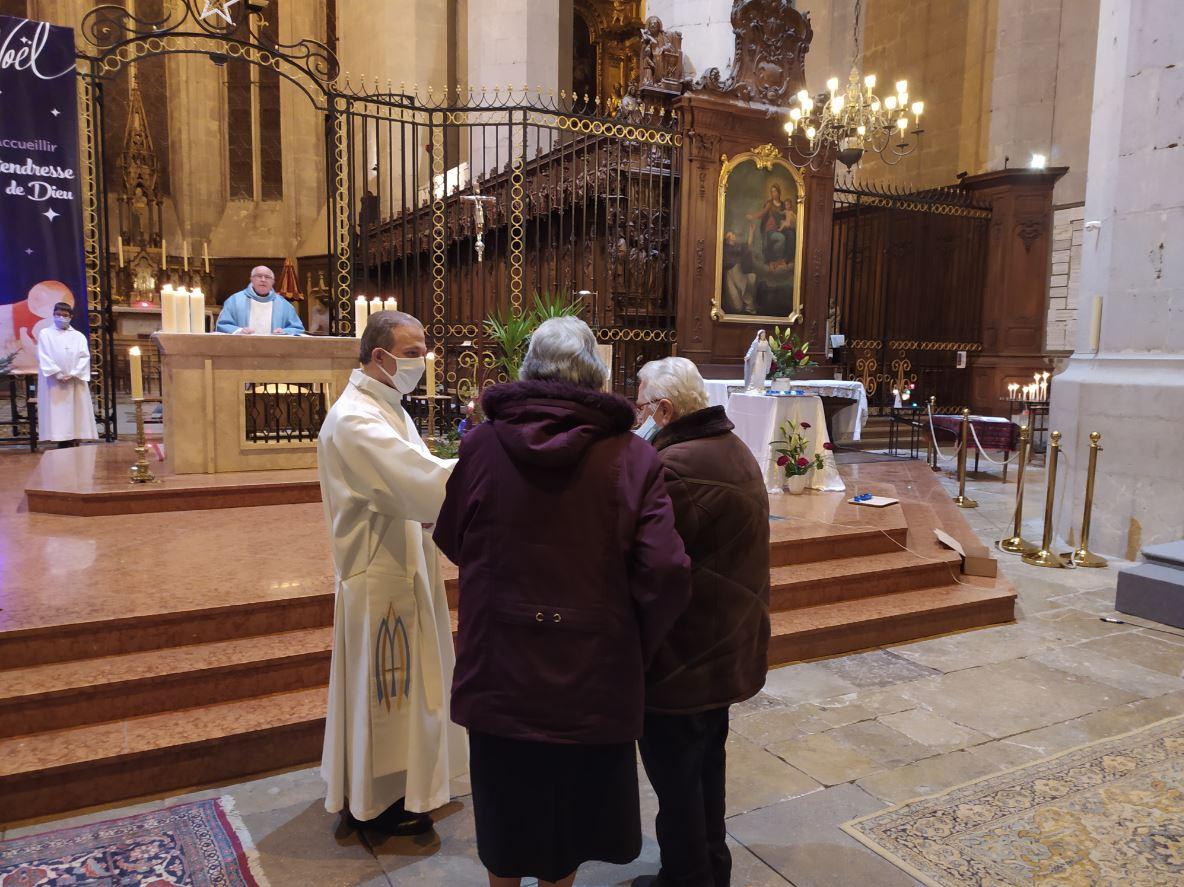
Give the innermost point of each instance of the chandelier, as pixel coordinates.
(853, 121)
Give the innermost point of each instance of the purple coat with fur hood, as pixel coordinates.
(571, 570)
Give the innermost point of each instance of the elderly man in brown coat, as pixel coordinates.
(716, 653)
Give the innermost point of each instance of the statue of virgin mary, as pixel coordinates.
(757, 362)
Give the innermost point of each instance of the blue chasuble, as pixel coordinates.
(236, 313)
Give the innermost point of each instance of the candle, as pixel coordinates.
(168, 309)
(181, 298)
(164, 254)
(205, 254)
(361, 315)
(137, 373)
(431, 374)
(185, 253)
(197, 311)
(390, 304)
(1095, 325)
(375, 305)
(119, 242)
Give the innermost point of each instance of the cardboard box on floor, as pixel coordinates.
(976, 559)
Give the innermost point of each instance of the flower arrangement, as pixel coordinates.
(790, 353)
(791, 448)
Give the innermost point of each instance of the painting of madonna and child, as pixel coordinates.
(760, 203)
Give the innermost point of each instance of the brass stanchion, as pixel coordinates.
(962, 500)
(1083, 557)
(140, 472)
(1045, 556)
(1017, 544)
(932, 435)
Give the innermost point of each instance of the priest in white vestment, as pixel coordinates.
(65, 412)
(390, 745)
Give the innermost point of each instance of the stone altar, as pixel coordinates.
(248, 403)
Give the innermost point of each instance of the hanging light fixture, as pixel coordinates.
(855, 120)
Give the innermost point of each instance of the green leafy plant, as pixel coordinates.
(790, 353)
(792, 449)
(511, 334)
(446, 447)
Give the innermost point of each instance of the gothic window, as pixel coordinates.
(254, 143)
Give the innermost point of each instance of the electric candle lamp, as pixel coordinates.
(789, 126)
(803, 96)
(875, 105)
(137, 371)
(832, 85)
(902, 124)
(902, 86)
(795, 114)
(918, 107)
(861, 130)
(837, 103)
(811, 132)
(890, 103)
(870, 82)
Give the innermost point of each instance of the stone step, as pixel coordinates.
(59, 770)
(793, 543)
(834, 629)
(796, 586)
(85, 691)
(155, 631)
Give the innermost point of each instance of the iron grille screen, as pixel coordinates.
(284, 412)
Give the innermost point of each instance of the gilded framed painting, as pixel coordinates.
(759, 242)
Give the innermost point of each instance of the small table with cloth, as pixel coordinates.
(993, 433)
(758, 419)
(845, 402)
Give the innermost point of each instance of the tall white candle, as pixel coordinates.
(168, 309)
(197, 311)
(119, 240)
(390, 304)
(137, 373)
(430, 374)
(181, 297)
(1095, 325)
(205, 254)
(185, 252)
(361, 315)
(164, 253)
(375, 305)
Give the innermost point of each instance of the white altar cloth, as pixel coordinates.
(848, 422)
(758, 418)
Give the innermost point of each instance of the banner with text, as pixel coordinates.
(41, 245)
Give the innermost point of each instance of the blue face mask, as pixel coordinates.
(647, 430)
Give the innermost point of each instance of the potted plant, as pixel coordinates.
(793, 455)
(512, 333)
(790, 354)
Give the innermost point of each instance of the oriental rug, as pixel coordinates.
(1110, 812)
(199, 844)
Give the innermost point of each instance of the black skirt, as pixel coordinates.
(544, 809)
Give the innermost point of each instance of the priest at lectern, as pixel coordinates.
(259, 309)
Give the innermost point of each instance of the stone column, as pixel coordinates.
(1131, 388)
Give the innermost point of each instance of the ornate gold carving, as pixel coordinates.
(766, 156)
(439, 243)
(341, 228)
(914, 345)
(92, 242)
(772, 39)
(517, 229)
(617, 334)
(866, 368)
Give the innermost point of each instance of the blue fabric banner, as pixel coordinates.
(41, 245)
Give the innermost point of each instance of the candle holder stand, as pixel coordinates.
(1082, 556)
(1045, 557)
(1016, 544)
(140, 472)
(962, 500)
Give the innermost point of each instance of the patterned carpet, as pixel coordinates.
(199, 844)
(1111, 812)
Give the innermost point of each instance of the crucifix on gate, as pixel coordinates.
(478, 200)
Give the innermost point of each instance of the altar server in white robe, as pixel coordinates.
(65, 412)
(390, 745)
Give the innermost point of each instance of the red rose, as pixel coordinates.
(803, 461)
(798, 355)
(782, 460)
(828, 446)
(804, 425)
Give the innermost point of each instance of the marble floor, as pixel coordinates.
(824, 742)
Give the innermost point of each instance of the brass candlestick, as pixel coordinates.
(962, 500)
(1083, 557)
(1045, 556)
(1017, 544)
(140, 472)
(932, 434)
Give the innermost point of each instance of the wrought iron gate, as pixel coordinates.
(907, 273)
(467, 206)
(565, 196)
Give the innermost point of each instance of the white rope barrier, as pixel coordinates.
(983, 452)
(933, 433)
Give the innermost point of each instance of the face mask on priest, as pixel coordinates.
(399, 362)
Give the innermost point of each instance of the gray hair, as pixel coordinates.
(262, 268)
(380, 332)
(677, 380)
(564, 349)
